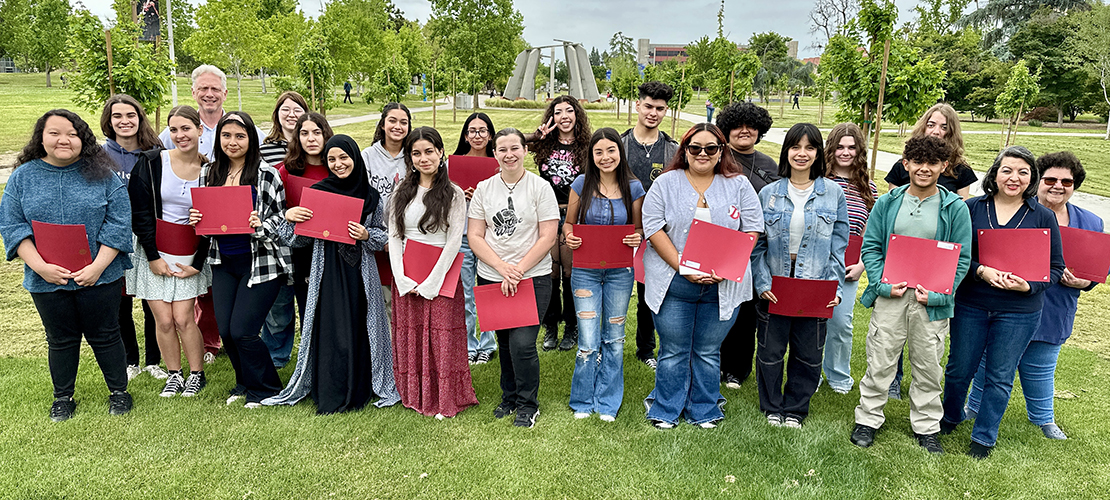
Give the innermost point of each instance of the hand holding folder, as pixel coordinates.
(330, 214)
(224, 209)
(419, 260)
(921, 261)
(1025, 253)
(1086, 253)
(802, 298)
(63, 245)
(603, 246)
(713, 249)
(498, 312)
(176, 243)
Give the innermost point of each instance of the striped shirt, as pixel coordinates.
(857, 209)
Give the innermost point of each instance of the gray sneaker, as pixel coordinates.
(1052, 431)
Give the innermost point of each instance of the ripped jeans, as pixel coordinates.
(601, 298)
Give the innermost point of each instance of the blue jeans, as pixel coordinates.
(1037, 370)
(838, 340)
(601, 298)
(277, 331)
(688, 377)
(997, 339)
(484, 341)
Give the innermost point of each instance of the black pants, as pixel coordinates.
(69, 314)
(240, 312)
(645, 326)
(806, 339)
(130, 339)
(738, 349)
(520, 365)
(347, 98)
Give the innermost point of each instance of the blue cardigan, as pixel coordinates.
(40, 191)
(1060, 301)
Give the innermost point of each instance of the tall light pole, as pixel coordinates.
(173, 58)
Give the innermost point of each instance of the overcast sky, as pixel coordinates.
(593, 22)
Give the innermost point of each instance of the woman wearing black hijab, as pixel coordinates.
(341, 364)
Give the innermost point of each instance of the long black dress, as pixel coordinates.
(342, 348)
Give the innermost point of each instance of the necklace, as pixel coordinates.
(648, 147)
(700, 191)
(993, 208)
(234, 175)
(515, 184)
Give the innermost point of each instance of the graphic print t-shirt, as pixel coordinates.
(560, 170)
(512, 220)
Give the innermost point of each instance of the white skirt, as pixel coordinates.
(142, 283)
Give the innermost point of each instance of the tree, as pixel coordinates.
(184, 23)
(1020, 90)
(138, 68)
(626, 73)
(770, 47)
(14, 27)
(1094, 46)
(355, 31)
(1000, 19)
(829, 17)
(229, 34)
(316, 67)
(733, 70)
(481, 35)
(939, 16)
(595, 57)
(1048, 41)
(700, 61)
(37, 32)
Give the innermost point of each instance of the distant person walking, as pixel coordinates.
(795, 105)
(347, 90)
(709, 111)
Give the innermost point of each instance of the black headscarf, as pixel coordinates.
(356, 184)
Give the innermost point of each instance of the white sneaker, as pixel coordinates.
(234, 398)
(209, 358)
(156, 372)
(708, 425)
(252, 406)
(581, 415)
(608, 418)
(792, 423)
(133, 371)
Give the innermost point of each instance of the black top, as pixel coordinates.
(145, 191)
(647, 162)
(560, 169)
(965, 177)
(765, 172)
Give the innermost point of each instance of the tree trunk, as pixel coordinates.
(1059, 116)
(47, 75)
(262, 76)
(239, 86)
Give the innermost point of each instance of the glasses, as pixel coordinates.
(291, 111)
(477, 132)
(1051, 181)
(709, 150)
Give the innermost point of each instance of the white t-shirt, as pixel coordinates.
(798, 197)
(512, 220)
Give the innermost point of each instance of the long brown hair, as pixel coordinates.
(295, 157)
(726, 167)
(592, 173)
(859, 176)
(437, 202)
(145, 133)
(379, 131)
(581, 149)
(218, 170)
(954, 137)
(276, 133)
(191, 114)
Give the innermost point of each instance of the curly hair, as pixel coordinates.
(990, 180)
(437, 202)
(295, 157)
(379, 131)
(954, 137)
(726, 167)
(859, 176)
(744, 113)
(926, 149)
(1065, 160)
(580, 146)
(144, 132)
(95, 162)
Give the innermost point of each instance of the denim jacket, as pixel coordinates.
(821, 255)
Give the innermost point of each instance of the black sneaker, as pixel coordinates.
(62, 409)
(175, 383)
(979, 451)
(946, 427)
(930, 443)
(570, 341)
(194, 384)
(526, 418)
(863, 436)
(119, 403)
(550, 337)
(483, 357)
(503, 410)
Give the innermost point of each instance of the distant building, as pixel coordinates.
(654, 53)
(7, 65)
(815, 60)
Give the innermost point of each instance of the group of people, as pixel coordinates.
(371, 334)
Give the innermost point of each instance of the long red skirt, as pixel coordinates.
(429, 354)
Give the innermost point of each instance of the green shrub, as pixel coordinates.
(1035, 123)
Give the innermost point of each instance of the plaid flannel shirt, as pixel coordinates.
(270, 255)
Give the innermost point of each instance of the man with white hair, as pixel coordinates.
(210, 92)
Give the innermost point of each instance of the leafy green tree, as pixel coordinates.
(1020, 90)
(733, 70)
(700, 61)
(14, 27)
(770, 47)
(1049, 41)
(316, 68)
(355, 32)
(138, 68)
(229, 34)
(36, 33)
(595, 57)
(1094, 46)
(1001, 19)
(481, 35)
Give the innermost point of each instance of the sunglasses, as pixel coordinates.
(1050, 181)
(709, 150)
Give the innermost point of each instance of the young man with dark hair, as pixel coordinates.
(902, 315)
(649, 150)
(745, 124)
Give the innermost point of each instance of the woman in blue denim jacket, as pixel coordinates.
(805, 235)
(607, 194)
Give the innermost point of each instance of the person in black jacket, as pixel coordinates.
(163, 274)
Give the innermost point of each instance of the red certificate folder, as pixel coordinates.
(294, 185)
(175, 239)
(603, 246)
(330, 214)
(468, 171)
(802, 298)
(1085, 253)
(223, 209)
(419, 259)
(713, 248)
(498, 312)
(921, 261)
(851, 254)
(638, 261)
(1023, 252)
(64, 245)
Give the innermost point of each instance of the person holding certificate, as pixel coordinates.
(513, 220)
(429, 353)
(908, 314)
(1061, 174)
(248, 270)
(997, 312)
(166, 278)
(475, 140)
(607, 194)
(806, 232)
(344, 358)
(64, 177)
(693, 310)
